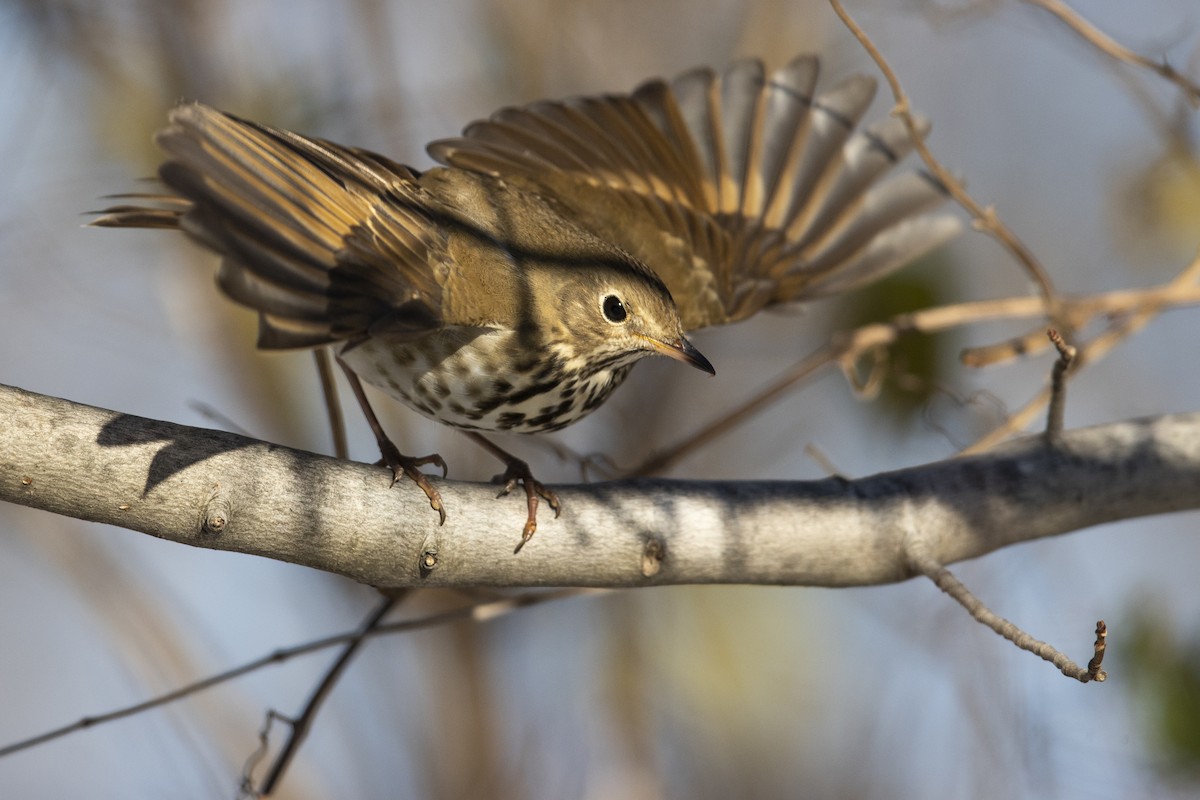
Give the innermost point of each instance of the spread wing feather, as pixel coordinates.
(740, 191)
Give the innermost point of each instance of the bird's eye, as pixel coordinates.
(614, 309)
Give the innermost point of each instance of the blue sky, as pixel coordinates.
(690, 691)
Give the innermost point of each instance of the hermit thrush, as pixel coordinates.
(514, 288)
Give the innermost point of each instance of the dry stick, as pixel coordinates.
(661, 460)
(985, 219)
(1086, 354)
(1182, 285)
(333, 406)
(480, 613)
(847, 347)
(303, 724)
(1030, 343)
(949, 584)
(1058, 385)
(1110, 47)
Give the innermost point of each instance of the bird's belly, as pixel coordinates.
(479, 381)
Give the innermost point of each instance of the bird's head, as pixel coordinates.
(616, 312)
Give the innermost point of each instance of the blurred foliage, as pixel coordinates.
(916, 364)
(1164, 668)
(1157, 207)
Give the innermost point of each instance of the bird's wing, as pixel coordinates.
(737, 190)
(327, 243)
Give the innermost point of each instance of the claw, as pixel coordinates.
(402, 465)
(399, 463)
(517, 471)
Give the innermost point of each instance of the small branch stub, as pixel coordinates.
(214, 523)
(215, 515)
(428, 561)
(653, 555)
(1058, 384)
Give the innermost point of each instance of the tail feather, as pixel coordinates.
(326, 243)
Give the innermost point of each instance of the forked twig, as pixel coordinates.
(301, 725)
(846, 348)
(1125, 325)
(1110, 47)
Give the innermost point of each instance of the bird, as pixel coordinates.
(513, 285)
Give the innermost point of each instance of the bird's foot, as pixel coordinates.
(402, 465)
(517, 471)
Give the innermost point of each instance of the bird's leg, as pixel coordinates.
(517, 470)
(399, 463)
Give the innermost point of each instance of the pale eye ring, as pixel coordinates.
(614, 310)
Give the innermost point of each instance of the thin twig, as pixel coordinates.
(1125, 325)
(661, 460)
(848, 347)
(333, 404)
(300, 726)
(1098, 648)
(1110, 47)
(949, 584)
(1058, 385)
(985, 219)
(480, 612)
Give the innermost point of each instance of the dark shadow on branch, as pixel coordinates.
(127, 430)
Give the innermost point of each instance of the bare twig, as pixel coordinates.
(1098, 648)
(1110, 47)
(1026, 344)
(659, 461)
(479, 612)
(333, 405)
(301, 725)
(949, 584)
(1125, 325)
(984, 218)
(1058, 384)
(845, 349)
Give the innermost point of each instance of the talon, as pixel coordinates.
(402, 465)
(526, 534)
(436, 504)
(518, 472)
(552, 500)
(399, 463)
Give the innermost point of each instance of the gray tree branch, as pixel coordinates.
(219, 490)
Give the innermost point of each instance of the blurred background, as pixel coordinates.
(674, 692)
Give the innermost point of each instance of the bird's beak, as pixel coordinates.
(682, 350)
